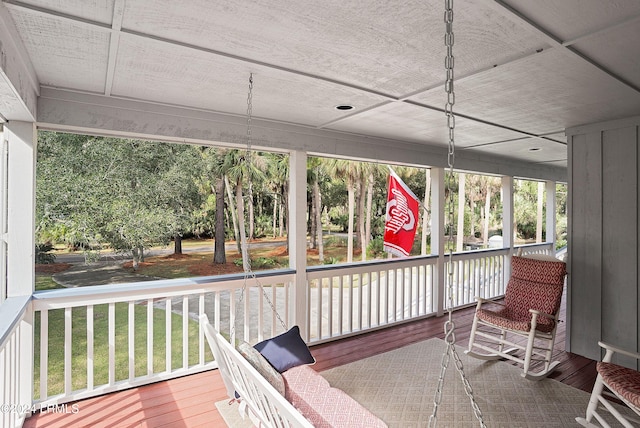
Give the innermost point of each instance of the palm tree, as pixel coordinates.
(348, 171)
(215, 164)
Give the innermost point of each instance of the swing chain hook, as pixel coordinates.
(449, 326)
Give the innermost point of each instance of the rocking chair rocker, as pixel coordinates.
(530, 311)
(622, 381)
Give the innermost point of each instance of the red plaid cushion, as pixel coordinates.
(622, 380)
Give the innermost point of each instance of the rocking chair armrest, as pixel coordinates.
(544, 314)
(614, 349)
(482, 300)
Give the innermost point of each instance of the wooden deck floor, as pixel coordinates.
(189, 401)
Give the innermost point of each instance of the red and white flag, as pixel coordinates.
(402, 217)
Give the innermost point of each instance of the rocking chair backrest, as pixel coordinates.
(535, 284)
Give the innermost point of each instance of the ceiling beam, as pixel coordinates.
(93, 114)
(114, 42)
(19, 85)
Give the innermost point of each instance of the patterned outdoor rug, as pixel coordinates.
(399, 387)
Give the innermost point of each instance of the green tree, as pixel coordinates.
(130, 194)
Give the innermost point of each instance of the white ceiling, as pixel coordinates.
(525, 70)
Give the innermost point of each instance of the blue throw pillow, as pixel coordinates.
(286, 351)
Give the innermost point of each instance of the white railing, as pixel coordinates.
(94, 340)
(345, 299)
(15, 369)
(478, 273)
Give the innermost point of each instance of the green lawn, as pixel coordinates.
(55, 381)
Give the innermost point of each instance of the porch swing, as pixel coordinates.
(272, 380)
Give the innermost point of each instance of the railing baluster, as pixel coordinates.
(201, 311)
(67, 351)
(319, 287)
(149, 337)
(245, 319)
(112, 343)
(216, 308)
(358, 278)
(131, 329)
(44, 354)
(330, 308)
(185, 332)
(167, 335)
(340, 304)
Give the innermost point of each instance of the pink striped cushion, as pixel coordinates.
(621, 380)
(324, 406)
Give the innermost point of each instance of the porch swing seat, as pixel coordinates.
(307, 401)
(529, 312)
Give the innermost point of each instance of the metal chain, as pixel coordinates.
(249, 272)
(449, 325)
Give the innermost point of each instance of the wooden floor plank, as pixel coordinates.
(189, 401)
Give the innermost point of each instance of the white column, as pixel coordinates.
(438, 222)
(21, 137)
(298, 308)
(507, 213)
(21, 140)
(551, 213)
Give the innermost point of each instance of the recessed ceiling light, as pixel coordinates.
(344, 107)
(534, 149)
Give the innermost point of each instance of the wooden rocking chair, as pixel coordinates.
(622, 381)
(530, 311)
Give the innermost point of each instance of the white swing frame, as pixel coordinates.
(264, 405)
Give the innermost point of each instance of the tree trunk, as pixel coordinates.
(233, 214)
(487, 208)
(361, 232)
(177, 244)
(311, 209)
(461, 203)
(368, 210)
(275, 214)
(246, 264)
(135, 255)
(219, 253)
(318, 217)
(352, 203)
(281, 218)
(425, 212)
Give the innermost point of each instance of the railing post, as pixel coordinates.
(297, 236)
(438, 237)
(19, 236)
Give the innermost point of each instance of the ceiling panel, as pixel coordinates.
(389, 46)
(568, 19)
(93, 10)
(151, 70)
(64, 53)
(544, 93)
(617, 50)
(403, 121)
(535, 150)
